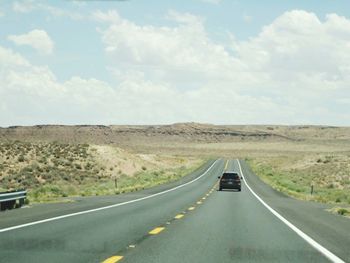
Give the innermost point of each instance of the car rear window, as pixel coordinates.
(230, 176)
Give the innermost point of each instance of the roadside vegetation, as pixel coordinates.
(52, 171)
(340, 211)
(295, 175)
(290, 158)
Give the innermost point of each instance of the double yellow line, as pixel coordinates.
(226, 165)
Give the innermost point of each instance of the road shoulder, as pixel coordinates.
(331, 231)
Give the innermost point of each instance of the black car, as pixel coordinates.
(230, 180)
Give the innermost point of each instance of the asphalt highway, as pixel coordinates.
(186, 221)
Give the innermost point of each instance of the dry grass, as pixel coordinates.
(340, 211)
(328, 173)
(290, 158)
(52, 170)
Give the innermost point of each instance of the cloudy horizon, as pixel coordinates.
(208, 61)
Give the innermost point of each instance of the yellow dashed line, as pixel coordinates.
(179, 216)
(156, 231)
(113, 259)
(226, 165)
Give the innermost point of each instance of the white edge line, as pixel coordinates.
(304, 236)
(105, 207)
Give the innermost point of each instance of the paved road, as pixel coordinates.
(226, 226)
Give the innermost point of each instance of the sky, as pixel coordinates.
(161, 62)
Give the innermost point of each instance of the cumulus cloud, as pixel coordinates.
(181, 54)
(293, 60)
(296, 70)
(299, 48)
(37, 39)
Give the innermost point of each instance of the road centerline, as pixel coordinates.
(156, 230)
(113, 259)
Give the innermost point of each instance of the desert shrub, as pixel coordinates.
(48, 191)
(330, 186)
(66, 177)
(88, 166)
(342, 211)
(27, 169)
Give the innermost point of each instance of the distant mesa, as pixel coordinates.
(177, 132)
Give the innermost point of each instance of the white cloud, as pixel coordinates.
(27, 6)
(295, 71)
(37, 39)
(182, 54)
(344, 101)
(110, 16)
(185, 18)
(247, 18)
(298, 47)
(23, 6)
(293, 60)
(216, 2)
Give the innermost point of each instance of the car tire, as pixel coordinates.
(239, 189)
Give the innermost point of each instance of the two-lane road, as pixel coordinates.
(191, 222)
(229, 226)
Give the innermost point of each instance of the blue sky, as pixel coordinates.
(262, 53)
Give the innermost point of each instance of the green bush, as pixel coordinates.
(343, 211)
